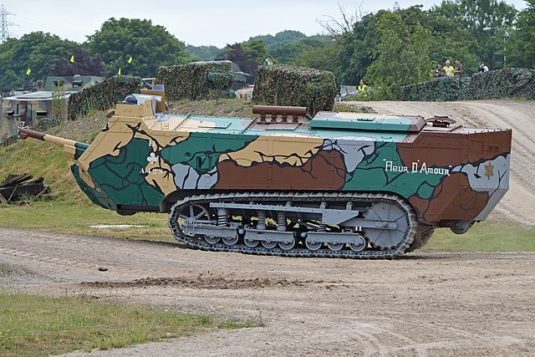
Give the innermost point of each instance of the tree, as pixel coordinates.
(82, 64)
(149, 46)
(354, 50)
(204, 53)
(36, 51)
(401, 56)
(318, 58)
(236, 54)
(282, 38)
(247, 55)
(485, 23)
(316, 52)
(256, 50)
(522, 45)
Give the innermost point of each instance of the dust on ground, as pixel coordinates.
(426, 304)
(210, 282)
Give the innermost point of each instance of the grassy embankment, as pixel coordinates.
(43, 326)
(69, 211)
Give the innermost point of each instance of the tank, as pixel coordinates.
(344, 185)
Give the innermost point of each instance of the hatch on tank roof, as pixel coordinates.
(367, 122)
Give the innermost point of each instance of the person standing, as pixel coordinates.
(362, 89)
(449, 71)
(268, 61)
(458, 69)
(437, 73)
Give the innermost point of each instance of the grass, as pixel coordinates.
(231, 107)
(65, 217)
(41, 326)
(488, 236)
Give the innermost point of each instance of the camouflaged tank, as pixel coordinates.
(337, 185)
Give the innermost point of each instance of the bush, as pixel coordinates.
(505, 83)
(102, 96)
(197, 81)
(295, 86)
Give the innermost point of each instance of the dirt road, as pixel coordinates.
(517, 205)
(425, 304)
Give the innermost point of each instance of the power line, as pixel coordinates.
(4, 24)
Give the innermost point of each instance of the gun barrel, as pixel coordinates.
(73, 149)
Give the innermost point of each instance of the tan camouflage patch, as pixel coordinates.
(106, 144)
(160, 174)
(281, 150)
(197, 125)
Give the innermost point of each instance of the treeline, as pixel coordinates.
(388, 49)
(120, 46)
(394, 48)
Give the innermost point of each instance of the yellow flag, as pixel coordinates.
(130, 60)
(72, 59)
(119, 72)
(28, 71)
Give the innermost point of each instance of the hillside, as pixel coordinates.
(517, 205)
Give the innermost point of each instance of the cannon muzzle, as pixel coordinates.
(72, 149)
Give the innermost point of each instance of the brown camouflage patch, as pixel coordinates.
(453, 199)
(444, 149)
(324, 171)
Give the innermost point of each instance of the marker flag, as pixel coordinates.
(130, 60)
(72, 59)
(28, 71)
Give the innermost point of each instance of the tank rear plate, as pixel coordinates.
(367, 122)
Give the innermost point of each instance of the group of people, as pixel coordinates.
(454, 72)
(448, 70)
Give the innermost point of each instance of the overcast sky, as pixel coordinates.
(196, 22)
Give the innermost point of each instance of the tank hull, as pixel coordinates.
(446, 175)
(337, 185)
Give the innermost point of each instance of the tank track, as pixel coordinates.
(297, 251)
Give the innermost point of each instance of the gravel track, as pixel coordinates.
(466, 304)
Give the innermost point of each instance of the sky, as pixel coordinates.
(196, 22)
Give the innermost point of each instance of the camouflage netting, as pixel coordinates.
(505, 83)
(102, 96)
(295, 86)
(197, 81)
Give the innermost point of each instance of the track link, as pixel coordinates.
(298, 251)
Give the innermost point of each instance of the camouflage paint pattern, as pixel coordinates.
(447, 174)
